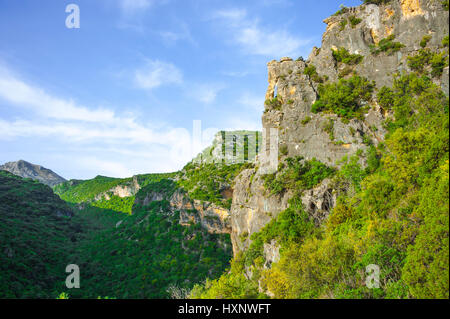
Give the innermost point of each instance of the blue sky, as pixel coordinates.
(119, 95)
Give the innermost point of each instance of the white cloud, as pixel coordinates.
(256, 39)
(156, 73)
(205, 93)
(18, 92)
(63, 124)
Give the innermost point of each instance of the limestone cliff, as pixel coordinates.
(301, 132)
(213, 218)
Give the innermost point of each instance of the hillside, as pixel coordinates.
(35, 233)
(27, 170)
(362, 177)
(106, 192)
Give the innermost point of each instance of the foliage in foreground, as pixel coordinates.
(394, 213)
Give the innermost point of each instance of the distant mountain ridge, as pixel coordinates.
(37, 172)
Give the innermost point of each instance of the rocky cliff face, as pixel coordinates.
(122, 190)
(302, 133)
(213, 218)
(27, 170)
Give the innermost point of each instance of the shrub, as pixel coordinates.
(273, 104)
(425, 40)
(311, 72)
(306, 120)
(354, 21)
(345, 98)
(342, 55)
(284, 149)
(424, 58)
(342, 24)
(445, 41)
(329, 128)
(297, 175)
(387, 45)
(385, 97)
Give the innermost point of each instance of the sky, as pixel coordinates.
(118, 95)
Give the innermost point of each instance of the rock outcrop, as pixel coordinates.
(231, 146)
(213, 218)
(302, 132)
(123, 190)
(27, 170)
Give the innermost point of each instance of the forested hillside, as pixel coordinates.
(35, 231)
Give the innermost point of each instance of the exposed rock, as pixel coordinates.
(271, 253)
(302, 133)
(319, 201)
(213, 218)
(252, 208)
(122, 190)
(27, 170)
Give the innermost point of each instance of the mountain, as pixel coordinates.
(27, 170)
(361, 134)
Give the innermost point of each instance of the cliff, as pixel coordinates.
(371, 41)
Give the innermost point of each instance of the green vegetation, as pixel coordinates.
(445, 41)
(120, 255)
(284, 149)
(342, 9)
(273, 104)
(306, 120)
(148, 252)
(426, 58)
(346, 98)
(328, 127)
(298, 174)
(35, 232)
(378, 2)
(311, 72)
(354, 21)
(393, 213)
(426, 38)
(343, 24)
(94, 190)
(205, 182)
(387, 45)
(343, 56)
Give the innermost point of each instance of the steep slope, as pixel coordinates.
(27, 170)
(362, 139)
(147, 254)
(356, 59)
(36, 233)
